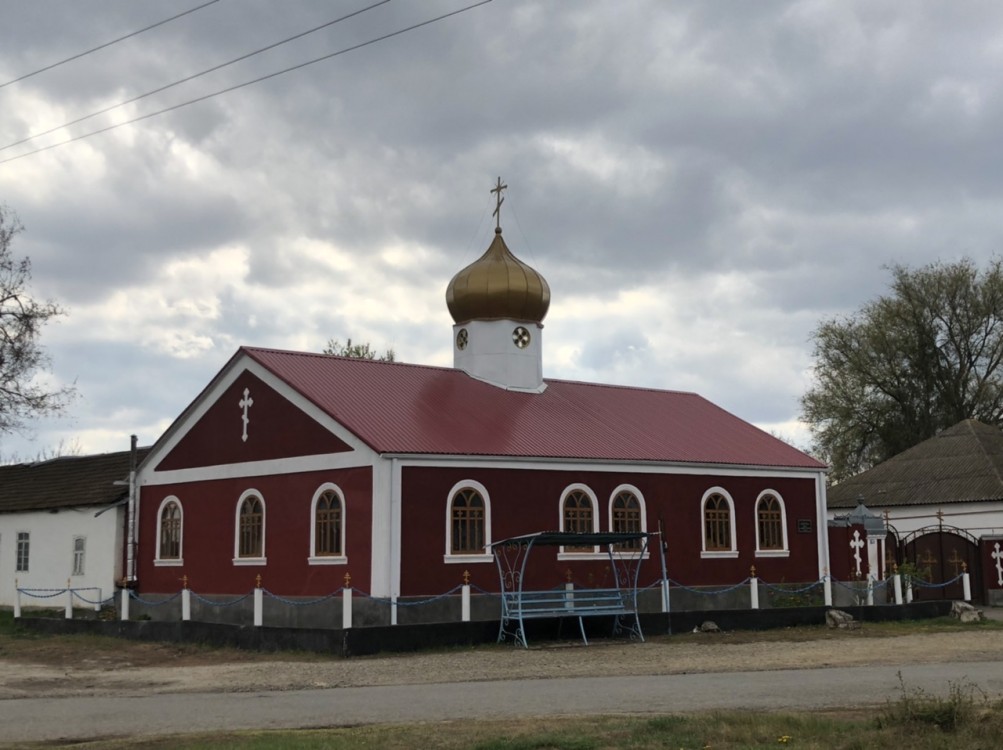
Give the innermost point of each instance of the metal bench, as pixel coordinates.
(520, 604)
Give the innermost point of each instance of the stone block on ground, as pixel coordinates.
(837, 618)
(965, 612)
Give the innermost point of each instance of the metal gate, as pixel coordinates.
(942, 553)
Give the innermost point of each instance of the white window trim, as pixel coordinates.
(719, 553)
(785, 551)
(17, 552)
(237, 559)
(83, 556)
(314, 558)
(477, 557)
(180, 559)
(644, 512)
(595, 554)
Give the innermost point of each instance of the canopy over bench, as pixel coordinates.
(625, 550)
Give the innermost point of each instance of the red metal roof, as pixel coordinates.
(401, 408)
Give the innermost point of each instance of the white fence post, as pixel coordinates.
(870, 589)
(827, 588)
(753, 588)
(97, 604)
(346, 603)
(259, 602)
(393, 609)
(908, 590)
(17, 599)
(465, 603)
(124, 601)
(897, 583)
(186, 600)
(966, 582)
(665, 595)
(69, 600)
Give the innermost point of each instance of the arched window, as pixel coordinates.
(579, 515)
(169, 532)
(328, 523)
(718, 524)
(249, 545)
(626, 516)
(771, 526)
(468, 523)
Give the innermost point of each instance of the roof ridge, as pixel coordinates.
(322, 355)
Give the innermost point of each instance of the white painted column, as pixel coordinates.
(897, 583)
(186, 604)
(465, 603)
(124, 603)
(870, 589)
(97, 602)
(259, 606)
(17, 599)
(346, 603)
(827, 588)
(966, 585)
(754, 588)
(69, 600)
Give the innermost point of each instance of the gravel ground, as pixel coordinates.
(145, 669)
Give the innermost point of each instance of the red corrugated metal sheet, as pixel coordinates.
(401, 408)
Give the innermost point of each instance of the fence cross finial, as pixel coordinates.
(348, 580)
(466, 577)
(257, 581)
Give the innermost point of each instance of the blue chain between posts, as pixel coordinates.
(56, 592)
(150, 603)
(309, 603)
(781, 590)
(101, 602)
(709, 593)
(412, 604)
(925, 585)
(211, 603)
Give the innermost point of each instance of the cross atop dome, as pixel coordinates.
(497, 189)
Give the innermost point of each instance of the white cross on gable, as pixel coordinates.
(245, 403)
(856, 544)
(998, 557)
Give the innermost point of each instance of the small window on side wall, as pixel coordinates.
(249, 544)
(718, 531)
(169, 532)
(578, 516)
(327, 526)
(626, 517)
(771, 526)
(78, 555)
(468, 523)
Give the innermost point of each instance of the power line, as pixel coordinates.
(248, 83)
(107, 44)
(213, 69)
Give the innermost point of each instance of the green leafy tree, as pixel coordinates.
(22, 358)
(358, 351)
(917, 360)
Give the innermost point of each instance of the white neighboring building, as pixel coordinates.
(63, 520)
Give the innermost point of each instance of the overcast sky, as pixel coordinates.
(700, 183)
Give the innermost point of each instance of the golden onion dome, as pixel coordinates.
(498, 286)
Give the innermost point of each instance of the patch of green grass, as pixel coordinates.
(978, 724)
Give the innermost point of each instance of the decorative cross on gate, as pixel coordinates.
(998, 557)
(929, 562)
(956, 561)
(245, 403)
(856, 545)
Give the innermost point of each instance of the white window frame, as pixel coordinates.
(484, 557)
(17, 552)
(78, 557)
(171, 562)
(644, 514)
(314, 558)
(595, 554)
(717, 553)
(785, 552)
(237, 559)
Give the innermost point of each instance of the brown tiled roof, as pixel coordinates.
(963, 464)
(65, 482)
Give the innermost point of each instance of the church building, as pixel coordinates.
(301, 468)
